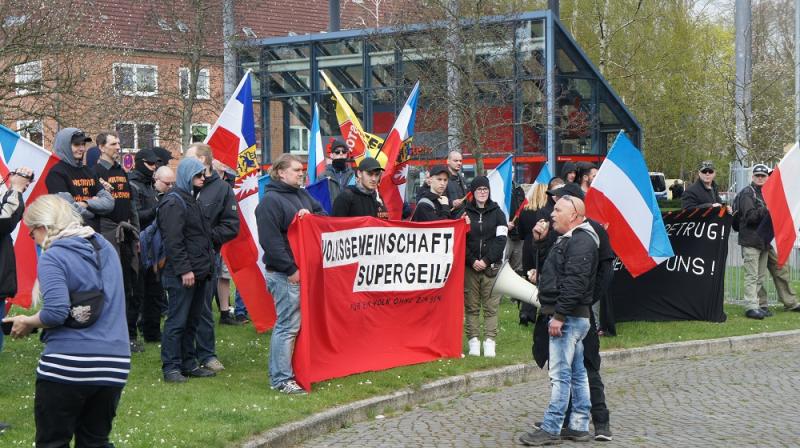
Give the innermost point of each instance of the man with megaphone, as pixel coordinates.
(566, 286)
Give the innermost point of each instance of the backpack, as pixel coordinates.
(737, 207)
(152, 252)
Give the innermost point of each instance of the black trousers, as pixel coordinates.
(150, 296)
(66, 410)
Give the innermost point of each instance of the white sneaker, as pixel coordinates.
(488, 348)
(474, 347)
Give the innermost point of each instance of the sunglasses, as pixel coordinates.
(30, 231)
(169, 184)
(339, 151)
(707, 171)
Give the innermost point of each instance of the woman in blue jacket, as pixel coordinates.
(85, 364)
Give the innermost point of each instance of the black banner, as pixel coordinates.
(688, 286)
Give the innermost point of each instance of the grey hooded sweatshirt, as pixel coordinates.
(74, 182)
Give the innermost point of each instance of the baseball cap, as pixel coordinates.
(438, 169)
(147, 155)
(706, 165)
(571, 189)
(79, 137)
(760, 168)
(369, 164)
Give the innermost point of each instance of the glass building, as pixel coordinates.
(526, 89)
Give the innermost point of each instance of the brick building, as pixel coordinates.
(131, 65)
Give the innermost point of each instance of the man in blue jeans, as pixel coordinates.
(566, 284)
(283, 199)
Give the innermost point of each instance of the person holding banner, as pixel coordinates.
(432, 204)
(486, 241)
(283, 200)
(704, 193)
(362, 199)
(758, 254)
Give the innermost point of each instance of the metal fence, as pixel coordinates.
(734, 272)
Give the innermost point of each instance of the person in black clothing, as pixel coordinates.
(283, 200)
(187, 273)
(456, 186)
(219, 206)
(121, 226)
(486, 241)
(569, 172)
(514, 241)
(704, 193)
(12, 205)
(339, 170)
(432, 205)
(75, 183)
(147, 289)
(361, 199)
(163, 155)
(545, 240)
(677, 189)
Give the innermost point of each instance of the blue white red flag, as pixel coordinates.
(622, 197)
(233, 141)
(17, 152)
(320, 190)
(401, 133)
(501, 185)
(316, 153)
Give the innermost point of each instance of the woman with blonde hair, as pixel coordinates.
(86, 358)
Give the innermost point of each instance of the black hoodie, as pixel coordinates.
(76, 183)
(274, 214)
(352, 201)
(220, 208)
(429, 209)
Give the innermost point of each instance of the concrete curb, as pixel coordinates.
(339, 417)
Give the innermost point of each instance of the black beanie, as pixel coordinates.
(480, 181)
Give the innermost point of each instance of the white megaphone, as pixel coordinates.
(509, 283)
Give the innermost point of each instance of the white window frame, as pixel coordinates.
(135, 67)
(136, 132)
(304, 134)
(23, 128)
(22, 73)
(205, 125)
(198, 96)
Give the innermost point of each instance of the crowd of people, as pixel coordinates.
(99, 295)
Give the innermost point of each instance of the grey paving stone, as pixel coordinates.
(746, 399)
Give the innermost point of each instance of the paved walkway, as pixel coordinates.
(735, 400)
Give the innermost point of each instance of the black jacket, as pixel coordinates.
(354, 202)
(426, 212)
(220, 208)
(341, 179)
(517, 198)
(567, 279)
(12, 205)
(456, 187)
(752, 211)
(274, 214)
(698, 196)
(487, 235)
(187, 237)
(144, 196)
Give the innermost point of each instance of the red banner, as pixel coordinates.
(376, 294)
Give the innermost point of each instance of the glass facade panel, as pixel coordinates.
(503, 108)
(289, 68)
(382, 63)
(344, 63)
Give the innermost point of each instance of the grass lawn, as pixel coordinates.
(220, 411)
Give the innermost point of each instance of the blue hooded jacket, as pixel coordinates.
(70, 265)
